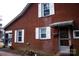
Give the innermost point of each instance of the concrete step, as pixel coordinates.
(62, 54)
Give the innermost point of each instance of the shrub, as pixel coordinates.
(77, 52)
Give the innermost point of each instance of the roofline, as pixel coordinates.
(19, 15)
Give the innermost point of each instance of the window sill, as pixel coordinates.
(76, 37)
(43, 39)
(44, 16)
(19, 42)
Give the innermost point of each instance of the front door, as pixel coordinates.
(64, 40)
(8, 39)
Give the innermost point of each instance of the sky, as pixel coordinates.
(10, 9)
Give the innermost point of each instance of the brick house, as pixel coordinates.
(49, 27)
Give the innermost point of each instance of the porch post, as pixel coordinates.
(70, 42)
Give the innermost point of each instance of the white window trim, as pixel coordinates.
(16, 39)
(52, 10)
(74, 34)
(48, 33)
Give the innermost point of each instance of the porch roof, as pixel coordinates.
(62, 24)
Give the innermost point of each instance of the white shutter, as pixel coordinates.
(22, 35)
(39, 10)
(52, 11)
(48, 32)
(15, 39)
(37, 33)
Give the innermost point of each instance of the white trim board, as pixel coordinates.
(10, 31)
(62, 22)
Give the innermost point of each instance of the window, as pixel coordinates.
(64, 42)
(9, 37)
(64, 34)
(19, 36)
(45, 9)
(76, 34)
(43, 33)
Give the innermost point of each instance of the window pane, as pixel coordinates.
(64, 34)
(64, 42)
(46, 12)
(9, 40)
(46, 6)
(43, 35)
(19, 38)
(46, 9)
(10, 35)
(20, 33)
(77, 34)
(42, 32)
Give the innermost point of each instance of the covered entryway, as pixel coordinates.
(64, 40)
(64, 35)
(8, 38)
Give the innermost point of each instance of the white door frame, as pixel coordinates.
(65, 49)
(9, 32)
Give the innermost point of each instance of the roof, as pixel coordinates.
(19, 15)
(62, 23)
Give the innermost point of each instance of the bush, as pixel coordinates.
(11, 47)
(77, 52)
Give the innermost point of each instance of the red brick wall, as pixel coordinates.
(29, 21)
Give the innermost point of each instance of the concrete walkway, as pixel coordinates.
(3, 53)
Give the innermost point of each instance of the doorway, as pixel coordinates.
(8, 38)
(64, 40)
